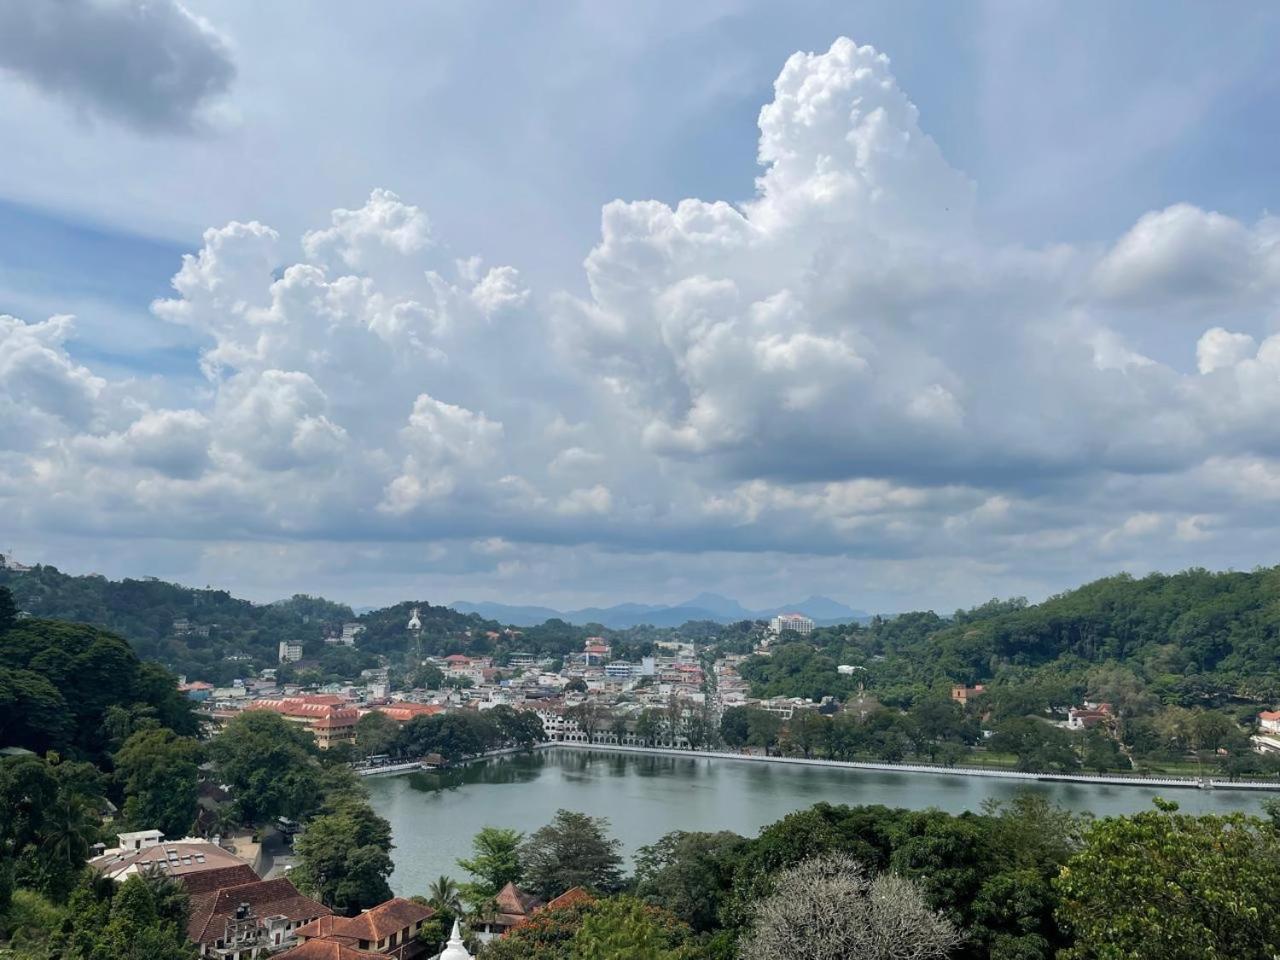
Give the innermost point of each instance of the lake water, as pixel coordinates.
(434, 815)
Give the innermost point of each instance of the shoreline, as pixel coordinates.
(920, 768)
(1180, 783)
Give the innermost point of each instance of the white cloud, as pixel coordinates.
(1218, 348)
(841, 366)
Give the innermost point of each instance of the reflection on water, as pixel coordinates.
(434, 814)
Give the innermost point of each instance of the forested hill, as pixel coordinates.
(1196, 630)
(208, 634)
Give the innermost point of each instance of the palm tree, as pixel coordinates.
(222, 821)
(69, 829)
(442, 893)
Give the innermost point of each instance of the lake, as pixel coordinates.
(434, 815)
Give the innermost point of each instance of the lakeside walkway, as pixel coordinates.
(938, 769)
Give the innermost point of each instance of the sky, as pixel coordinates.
(910, 305)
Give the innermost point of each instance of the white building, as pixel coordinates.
(797, 622)
(290, 652)
(348, 636)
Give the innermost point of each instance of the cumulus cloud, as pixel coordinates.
(150, 64)
(839, 366)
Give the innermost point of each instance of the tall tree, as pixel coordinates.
(574, 850)
(494, 863)
(344, 858)
(160, 772)
(270, 766)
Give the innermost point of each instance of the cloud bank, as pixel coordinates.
(841, 366)
(149, 64)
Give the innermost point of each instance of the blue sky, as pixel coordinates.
(838, 388)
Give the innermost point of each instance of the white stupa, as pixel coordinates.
(454, 949)
(414, 622)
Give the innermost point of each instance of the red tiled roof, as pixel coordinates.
(207, 880)
(210, 911)
(372, 925)
(328, 950)
(407, 711)
(386, 918)
(324, 927)
(571, 897)
(511, 899)
(1269, 715)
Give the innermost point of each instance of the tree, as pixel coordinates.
(574, 850)
(1161, 885)
(807, 730)
(159, 770)
(623, 927)
(68, 830)
(763, 729)
(443, 894)
(734, 726)
(828, 909)
(576, 685)
(344, 858)
(375, 734)
(688, 874)
(8, 610)
(495, 863)
(141, 919)
(590, 716)
(270, 766)
(649, 726)
(1038, 746)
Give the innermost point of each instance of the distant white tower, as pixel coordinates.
(414, 622)
(454, 949)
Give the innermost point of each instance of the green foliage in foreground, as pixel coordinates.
(1162, 885)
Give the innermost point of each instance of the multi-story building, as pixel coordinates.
(329, 718)
(796, 622)
(290, 652)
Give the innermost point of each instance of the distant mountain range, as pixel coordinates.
(705, 606)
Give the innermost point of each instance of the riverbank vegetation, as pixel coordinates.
(1022, 880)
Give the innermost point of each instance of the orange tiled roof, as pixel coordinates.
(328, 950)
(372, 925)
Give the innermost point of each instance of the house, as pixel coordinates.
(595, 651)
(1088, 716)
(1269, 721)
(514, 907)
(249, 920)
(198, 864)
(196, 690)
(962, 694)
(388, 930)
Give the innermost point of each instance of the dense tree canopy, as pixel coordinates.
(270, 766)
(574, 850)
(1166, 885)
(160, 773)
(58, 680)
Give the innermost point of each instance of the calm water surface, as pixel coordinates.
(433, 816)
